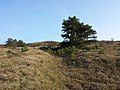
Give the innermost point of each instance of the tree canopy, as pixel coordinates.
(14, 43)
(74, 31)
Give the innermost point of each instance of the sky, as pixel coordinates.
(41, 20)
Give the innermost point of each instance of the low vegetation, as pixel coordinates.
(95, 67)
(92, 67)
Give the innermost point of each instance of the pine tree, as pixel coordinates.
(75, 32)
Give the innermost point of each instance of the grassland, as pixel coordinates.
(31, 70)
(94, 69)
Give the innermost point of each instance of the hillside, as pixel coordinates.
(31, 70)
(95, 69)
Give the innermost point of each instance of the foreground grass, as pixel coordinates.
(31, 70)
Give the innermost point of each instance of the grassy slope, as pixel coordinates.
(31, 70)
(36, 70)
(97, 69)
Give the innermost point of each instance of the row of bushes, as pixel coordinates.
(68, 51)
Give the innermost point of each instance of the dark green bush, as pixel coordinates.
(50, 51)
(68, 51)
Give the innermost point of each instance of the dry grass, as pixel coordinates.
(31, 70)
(94, 70)
(37, 70)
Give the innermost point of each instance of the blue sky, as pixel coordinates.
(41, 20)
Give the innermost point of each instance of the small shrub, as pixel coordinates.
(9, 51)
(72, 55)
(24, 49)
(50, 51)
(96, 47)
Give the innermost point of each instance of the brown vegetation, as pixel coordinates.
(95, 67)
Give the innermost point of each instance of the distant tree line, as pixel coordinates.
(14, 43)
